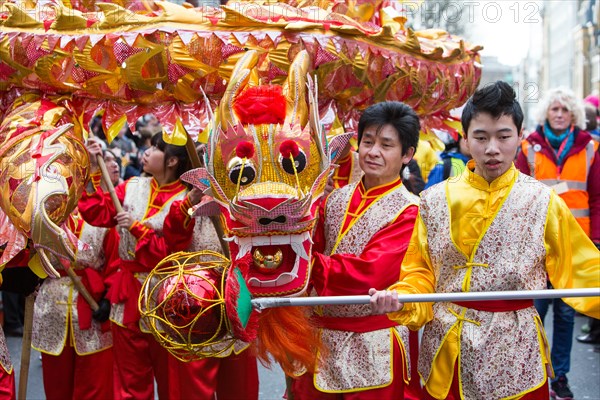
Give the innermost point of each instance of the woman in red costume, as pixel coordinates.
(76, 343)
(146, 201)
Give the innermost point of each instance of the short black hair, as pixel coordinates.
(396, 114)
(496, 99)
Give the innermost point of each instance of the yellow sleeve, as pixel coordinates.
(572, 259)
(416, 276)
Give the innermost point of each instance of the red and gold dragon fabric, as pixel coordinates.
(280, 75)
(43, 163)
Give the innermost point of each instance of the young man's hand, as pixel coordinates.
(384, 301)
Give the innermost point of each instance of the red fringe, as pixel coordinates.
(289, 337)
(232, 293)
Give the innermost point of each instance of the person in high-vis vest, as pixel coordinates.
(563, 156)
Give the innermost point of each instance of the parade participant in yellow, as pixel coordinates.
(493, 229)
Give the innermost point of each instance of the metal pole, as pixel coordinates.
(270, 302)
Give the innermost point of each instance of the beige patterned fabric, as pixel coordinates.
(55, 307)
(359, 361)
(205, 236)
(136, 199)
(510, 256)
(93, 256)
(4, 354)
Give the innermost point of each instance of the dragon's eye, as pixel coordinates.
(299, 163)
(248, 173)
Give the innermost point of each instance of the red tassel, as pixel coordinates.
(244, 149)
(289, 147)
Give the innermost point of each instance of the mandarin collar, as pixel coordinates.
(478, 182)
(380, 189)
(167, 187)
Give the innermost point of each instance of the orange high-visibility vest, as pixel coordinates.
(571, 182)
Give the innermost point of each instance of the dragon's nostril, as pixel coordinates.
(266, 221)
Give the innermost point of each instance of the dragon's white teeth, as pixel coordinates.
(244, 245)
(261, 240)
(296, 242)
(298, 247)
(281, 239)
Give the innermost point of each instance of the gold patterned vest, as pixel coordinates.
(501, 354)
(137, 197)
(56, 305)
(360, 361)
(5, 361)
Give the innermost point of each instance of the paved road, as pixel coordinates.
(584, 377)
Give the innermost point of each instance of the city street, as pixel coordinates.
(584, 377)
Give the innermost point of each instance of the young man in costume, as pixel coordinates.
(361, 238)
(493, 229)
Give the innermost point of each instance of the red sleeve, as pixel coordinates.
(98, 209)
(178, 228)
(521, 162)
(319, 233)
(151, 247)
(20, 260)
(594, 198)
(377, 266)
(111, 252)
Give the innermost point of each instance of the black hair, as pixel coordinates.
(171, 150)
(496, 99)
(396, 114)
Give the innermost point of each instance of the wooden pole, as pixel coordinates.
(26, 346)
(108, 183)
(196, 163)
(82, 289)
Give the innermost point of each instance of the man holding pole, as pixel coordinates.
(360, 241)
(493, 229)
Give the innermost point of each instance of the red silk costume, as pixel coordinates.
(377, 265)
(232, 377)
(77, 361)
(138, 357)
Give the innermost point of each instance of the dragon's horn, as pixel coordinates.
(239, 79)
(294, 90)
